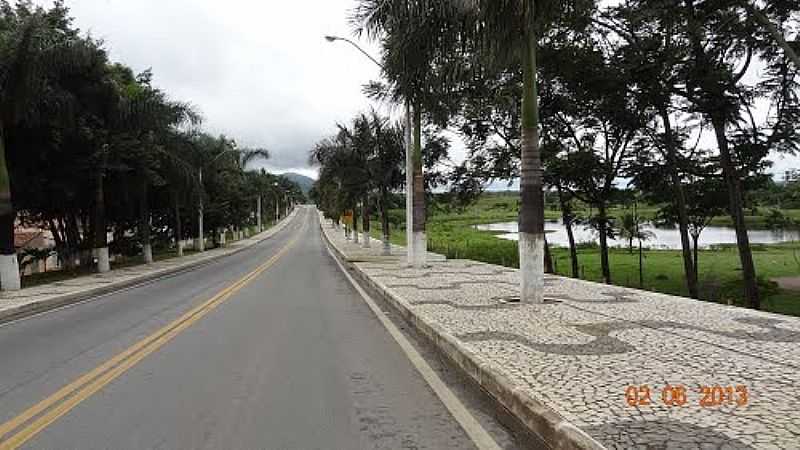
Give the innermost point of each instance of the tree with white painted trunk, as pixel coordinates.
(35, 50)
(508, 32)
(420, 59)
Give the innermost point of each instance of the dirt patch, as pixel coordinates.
(790, 283)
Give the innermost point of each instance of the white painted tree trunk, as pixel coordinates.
(9, 273)
(103, 262)
(222, 238)
(365, 238)
(355, 237)
(531, 259)
(387, 246)
(199, 245)
(420, 249)
(147, 250)
(180, 248)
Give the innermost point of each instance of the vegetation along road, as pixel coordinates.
(268, 348)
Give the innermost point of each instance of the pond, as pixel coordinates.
(665, 238)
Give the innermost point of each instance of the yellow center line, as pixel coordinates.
(88, 384)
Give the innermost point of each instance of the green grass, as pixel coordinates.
(453, 234)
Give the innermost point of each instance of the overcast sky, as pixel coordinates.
(259, 71)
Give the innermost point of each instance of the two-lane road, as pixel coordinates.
(269, 348)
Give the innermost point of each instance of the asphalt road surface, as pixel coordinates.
(271, 348)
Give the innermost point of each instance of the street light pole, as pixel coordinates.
(201, 247)
(201, 241)
(409, 164)
(258, 211)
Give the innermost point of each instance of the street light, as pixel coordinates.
(201, 244)
(409, 168)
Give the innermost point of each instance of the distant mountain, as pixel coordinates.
(303, 181)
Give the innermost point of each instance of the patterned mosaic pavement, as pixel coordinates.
(632, 369)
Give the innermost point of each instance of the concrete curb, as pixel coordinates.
(539, 418)
(48, 304)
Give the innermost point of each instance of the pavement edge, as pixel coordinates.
(539, 418)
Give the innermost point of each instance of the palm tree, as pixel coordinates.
(509, 31)
(420, 57)
(34, 50)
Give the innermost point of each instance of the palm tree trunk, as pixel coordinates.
(531, 212)
(419, 242)
(680, 202)
(144, 221)
(9, 266)
(602, 228)
(365, 219)
(737, 214)
(100, 232)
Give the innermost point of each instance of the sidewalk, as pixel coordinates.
(43, 297)
(590, 368)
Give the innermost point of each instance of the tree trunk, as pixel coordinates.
(144, 221)
(178, 227)
(419, 241)
(9, 265)
(365, 220)
(531, 211)
(566, 217)
(774, 32)
(99, 225)
(696, 238)
(548, 258)
(737, 214)
(689, 269)
(355, 224)
(387, 246)
(602, 228)
(641, 267)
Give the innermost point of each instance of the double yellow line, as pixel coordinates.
(41, 415)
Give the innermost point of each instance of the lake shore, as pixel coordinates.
(455, 235)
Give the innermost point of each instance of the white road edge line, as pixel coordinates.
(479, 436)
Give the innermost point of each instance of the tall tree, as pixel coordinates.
(37, 46)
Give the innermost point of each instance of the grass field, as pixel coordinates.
(453, 234)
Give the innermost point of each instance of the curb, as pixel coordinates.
(537, 417)
(33, 308)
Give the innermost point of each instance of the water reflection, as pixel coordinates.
(665, 238)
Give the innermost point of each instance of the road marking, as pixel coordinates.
(68, 397)
(479, 436)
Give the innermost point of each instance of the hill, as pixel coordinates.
(303, 181)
